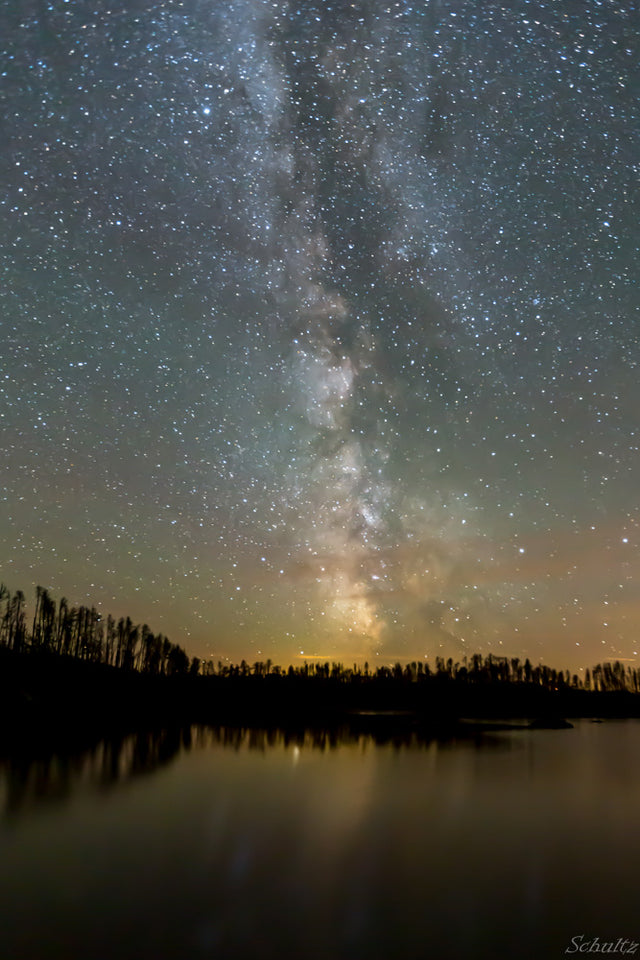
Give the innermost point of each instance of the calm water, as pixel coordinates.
(205, 845)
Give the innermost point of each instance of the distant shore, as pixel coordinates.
(44, 695)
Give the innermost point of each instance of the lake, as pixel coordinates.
(223, 843)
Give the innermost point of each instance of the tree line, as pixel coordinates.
(475, 670)
(84, 634)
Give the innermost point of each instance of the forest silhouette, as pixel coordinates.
(72, 666)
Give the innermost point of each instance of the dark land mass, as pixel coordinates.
(43, 694)
(69, 672)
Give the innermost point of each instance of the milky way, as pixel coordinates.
(319, 323)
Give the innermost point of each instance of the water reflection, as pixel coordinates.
(326, 844)
(30, 776)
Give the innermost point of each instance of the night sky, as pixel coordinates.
(319, 323)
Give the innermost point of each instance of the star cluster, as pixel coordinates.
(319, 323)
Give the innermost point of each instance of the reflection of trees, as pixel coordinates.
(57, 774)
(349, 732)
(54, 776)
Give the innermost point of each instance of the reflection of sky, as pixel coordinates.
(319, 325)
(519, 836)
